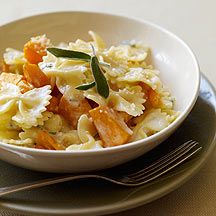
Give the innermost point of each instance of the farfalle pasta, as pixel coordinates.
(26, 109)
(82, 95)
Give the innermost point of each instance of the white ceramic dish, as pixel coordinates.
(177, 63)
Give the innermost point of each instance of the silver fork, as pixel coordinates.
(143, 176)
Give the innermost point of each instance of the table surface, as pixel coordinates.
(195, 22)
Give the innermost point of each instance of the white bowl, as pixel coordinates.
(177, 63)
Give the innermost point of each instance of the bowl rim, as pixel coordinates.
(130, 145)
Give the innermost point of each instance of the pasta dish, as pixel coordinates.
(81, 95)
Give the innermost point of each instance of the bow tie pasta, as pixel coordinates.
(81, 95)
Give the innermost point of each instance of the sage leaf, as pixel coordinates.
(100, 80)
(86, 86)
(63, 53)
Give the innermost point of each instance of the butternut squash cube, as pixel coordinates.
(35, 76)
(35, 49)
(72, 109)
(112, 130)
(45, 141)
(53, 106)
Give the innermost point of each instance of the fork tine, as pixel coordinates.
(166, 162)
(156, 175)
(164, 158)
(163, 163)
(170, 165)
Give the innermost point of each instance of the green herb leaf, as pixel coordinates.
(86, 86)
(101, 82)
(63, 53)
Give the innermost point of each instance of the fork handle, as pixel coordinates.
(45, 182)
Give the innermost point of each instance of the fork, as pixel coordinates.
(143, 176)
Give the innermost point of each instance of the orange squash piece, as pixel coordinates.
(53, 106)
(17, 80)
(5, 67)
(44, 140)
(154, 98)
(112, 130)
(151, 95)
(34, 75)
(35, 49)
(72, 109)
(145, 88)
(41, 147)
